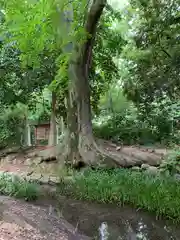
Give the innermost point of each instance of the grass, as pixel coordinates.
(156, 194)
(14, 186)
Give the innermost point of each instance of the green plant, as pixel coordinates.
(14, 186)
(158, 194)
(127, 128)
(171, 165)
(133, 125)
(11, 125)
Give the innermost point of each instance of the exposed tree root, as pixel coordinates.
(92, 153)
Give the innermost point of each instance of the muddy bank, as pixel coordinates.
(20, 220)
(52, 217)
(123, 223)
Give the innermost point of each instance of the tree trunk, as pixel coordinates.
(72, 131)
(82, 146)
(53, 128)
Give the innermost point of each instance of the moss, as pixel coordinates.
(157, 194)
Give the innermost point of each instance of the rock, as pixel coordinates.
(145, 166)
(54, 180)
(9, 158)
(35, 177)
(32, 154)
(151, 150)
(135, 168)
(28, 161)
(44, 180)
(152, 170)
(118, 148)
(37, 160)
(15, 161)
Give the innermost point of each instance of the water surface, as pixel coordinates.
(108, 221)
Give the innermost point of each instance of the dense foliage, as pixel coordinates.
(128, 124)
(152, 54)
(156, 194)
(149, 71)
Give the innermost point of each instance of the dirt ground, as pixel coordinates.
(23, 162)
(23, 221)
(30, 159)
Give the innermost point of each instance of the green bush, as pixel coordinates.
(171, 165)
(13, 186)
(127, 129)
(11, 126)
(158, 124)
(157, 194)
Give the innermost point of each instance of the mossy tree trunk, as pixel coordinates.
(82, 146)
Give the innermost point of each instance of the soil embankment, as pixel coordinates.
(23, 221)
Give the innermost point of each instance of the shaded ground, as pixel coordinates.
(35, 161)
(27, 163)
(23, 221)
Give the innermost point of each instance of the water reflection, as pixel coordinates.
(103, 230)
(110, 222)
(141, 232)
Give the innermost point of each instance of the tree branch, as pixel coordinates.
(166, 52)
(92, 20)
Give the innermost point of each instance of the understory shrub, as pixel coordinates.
(171, 165)
(158, 194)
(126, 129)
(158, 124)
(13, 186)
(11, 127)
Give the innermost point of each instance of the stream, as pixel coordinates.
(112, 222)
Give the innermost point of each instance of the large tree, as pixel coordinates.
(71, 27)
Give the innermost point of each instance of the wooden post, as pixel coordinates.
(29, 135)
(57, 133)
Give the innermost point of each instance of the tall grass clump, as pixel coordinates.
(157, 194)
(16, 187)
